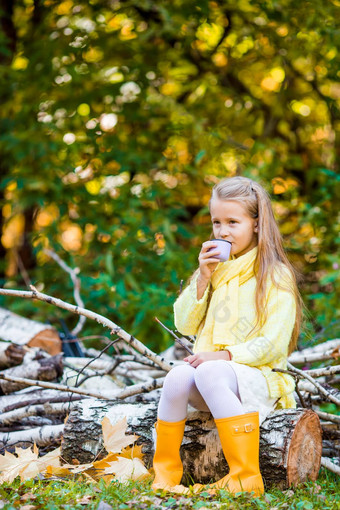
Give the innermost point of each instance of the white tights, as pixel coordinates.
(212, 386)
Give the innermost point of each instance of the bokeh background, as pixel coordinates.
(118, 117)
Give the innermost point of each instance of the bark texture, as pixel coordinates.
(290, 443)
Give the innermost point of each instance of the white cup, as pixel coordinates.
(224, 248)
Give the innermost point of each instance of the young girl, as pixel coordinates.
(246, 315)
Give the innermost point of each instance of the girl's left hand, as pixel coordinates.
(200, 357)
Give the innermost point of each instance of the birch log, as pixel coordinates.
(290, 445)
(45, 369)
(42, 436)
(11, 354)
(22, 331)
(34, 396)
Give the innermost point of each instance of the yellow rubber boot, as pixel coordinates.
(167, 461)
(240, 438)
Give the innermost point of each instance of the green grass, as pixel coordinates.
(77, 494)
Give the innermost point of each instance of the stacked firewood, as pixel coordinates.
(41, 390)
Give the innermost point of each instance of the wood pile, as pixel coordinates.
(40, 391)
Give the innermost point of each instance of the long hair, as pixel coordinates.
(270, 254)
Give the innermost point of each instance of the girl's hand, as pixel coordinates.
(200, 357)
(207, 259)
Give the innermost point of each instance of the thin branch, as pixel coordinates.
(175, 337)
(327, 416)
(91, 360)
(76, 288)
(129, 339)
(320, 352)
(316, 384)
(52, 386)
(108, 366)
(319, 372)
(303, 403)
(135, 389)
(330, 465)
(140, 388)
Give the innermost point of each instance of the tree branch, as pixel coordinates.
(76, 288)
(129, 339)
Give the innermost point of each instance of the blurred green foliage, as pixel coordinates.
(118, 117)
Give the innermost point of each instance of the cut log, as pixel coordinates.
(47, 409)
(34, 396)
(290, 447)
(11, 354)
(319, 352)
(48, 435)
(45, 369)
(22, 331)
(290, 444)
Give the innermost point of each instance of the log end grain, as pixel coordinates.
(305, 451)
(48, 340)
(290, 447)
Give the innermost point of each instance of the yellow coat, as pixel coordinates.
(266, 350)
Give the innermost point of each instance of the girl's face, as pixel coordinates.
(232, 223)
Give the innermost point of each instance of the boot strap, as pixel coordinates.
(247, 427)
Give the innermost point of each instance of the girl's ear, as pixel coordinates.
(256, 228)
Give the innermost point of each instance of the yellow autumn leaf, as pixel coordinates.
(10, 467)
(25, 463)
(114, 437)
(74, 469)
(100, 465)
(132, 452)
(41, 464)
(57, 471)
(127, 469)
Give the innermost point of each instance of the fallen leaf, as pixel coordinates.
(289, 493)
(61, 471)
(26, 463)
(12, 465)
(100, 465)
(28, 495)
(114, 437)
(78, 469)
(127, 469)
(41, 464)
(84, 500)
(336, 353)
(132, 452)
(27, 507)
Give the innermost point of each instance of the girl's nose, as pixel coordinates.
(224, 232)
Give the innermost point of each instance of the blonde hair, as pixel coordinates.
(271, 257)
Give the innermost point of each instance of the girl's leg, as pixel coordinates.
(179, 384)
(238, 431)
(217, 383)
(172, 412)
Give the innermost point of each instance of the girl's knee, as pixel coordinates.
(181, 376)
(212, 369)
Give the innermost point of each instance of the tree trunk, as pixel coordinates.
(290, 443)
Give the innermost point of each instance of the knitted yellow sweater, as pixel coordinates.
(264, 351)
